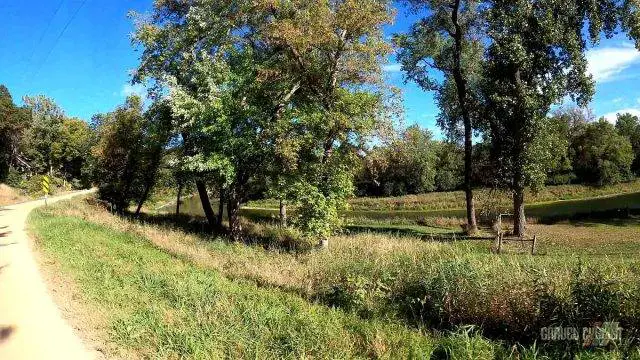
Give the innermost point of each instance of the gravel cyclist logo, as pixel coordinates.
(598, 335)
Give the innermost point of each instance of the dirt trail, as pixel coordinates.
(31, 325)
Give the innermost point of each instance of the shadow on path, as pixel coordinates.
(5, 332)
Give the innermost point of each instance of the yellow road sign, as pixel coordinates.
(46, 185)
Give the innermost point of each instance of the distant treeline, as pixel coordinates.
(582, 151)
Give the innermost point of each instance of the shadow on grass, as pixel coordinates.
(255, 231)
(614, 217)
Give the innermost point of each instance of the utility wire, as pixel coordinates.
(55, 42)
(46, 30)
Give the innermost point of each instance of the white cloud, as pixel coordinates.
(605, 63)
(128, 90)
(612, 116)
(392, 68)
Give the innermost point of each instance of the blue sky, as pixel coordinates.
(79, 53)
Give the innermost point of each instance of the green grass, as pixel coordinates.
(552, 201)
(173, 294)
(456, 199)
(165, 307)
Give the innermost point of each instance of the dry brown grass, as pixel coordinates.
(9, 195)
(285, 270)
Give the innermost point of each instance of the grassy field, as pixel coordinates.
(183, 294)
(456, 199)
(438, 202)
(376, 210)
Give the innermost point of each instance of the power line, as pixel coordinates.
(46, 30)
(55, 42)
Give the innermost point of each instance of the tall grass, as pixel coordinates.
(390, 280)
(165, 307)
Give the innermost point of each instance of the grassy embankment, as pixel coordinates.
(446, 209)
(172, 294)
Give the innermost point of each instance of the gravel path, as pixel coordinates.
(31, 325)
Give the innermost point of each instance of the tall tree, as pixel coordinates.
(536, 58)
(449, 40)
(629, 125)
(43, 133)
(240, 71)
(72, 151)
(118, 154)
(602, 155)
(335, 50)
(13, 121)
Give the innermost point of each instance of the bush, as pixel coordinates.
(33, 185)
(276, 238)
(14, 178)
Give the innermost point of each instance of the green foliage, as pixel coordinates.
(407, 165)
(536, 57)
(118, 153)
(73, 151)
(316, 214)
(13, 121)
(41, 143)
(449, 167)
(308, 96)
(601, 155)
(629, 126)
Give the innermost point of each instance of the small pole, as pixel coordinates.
(499, 242)
(533, 244)
(45, 200)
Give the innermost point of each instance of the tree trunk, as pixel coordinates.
(178, 199)
(461, 87)
(518, 212)
(206, 204)
(221, 207)
(144, 197)
(283, 214)
(472, 226)
(233, 212)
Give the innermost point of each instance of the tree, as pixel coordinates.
(448, 39)
(240, 74)
(72, 150)
(449, 167)
(536, 57)
(559, 133)
(407, 165)
(602, 155)
(13, 121)
(333, 50)
(158, 132)
(628, 125)
(118, 154)
(43, 133)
